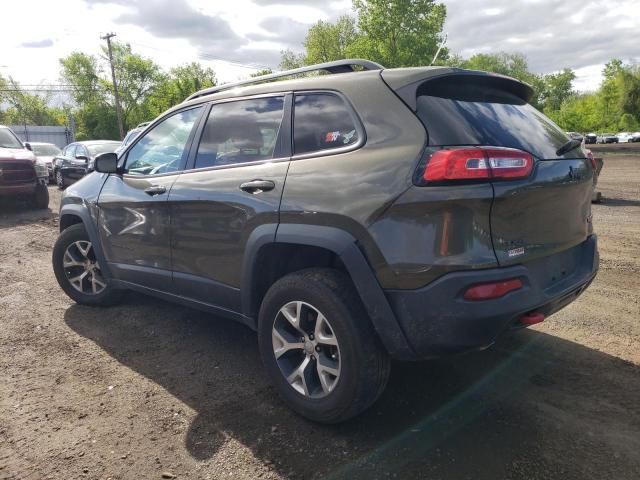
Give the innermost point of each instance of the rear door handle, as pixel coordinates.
(155, 190)
(257, 186)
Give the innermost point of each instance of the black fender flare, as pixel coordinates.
(92, 230)
(345, 246)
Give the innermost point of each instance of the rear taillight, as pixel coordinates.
(480, 163)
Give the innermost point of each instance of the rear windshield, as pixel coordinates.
(8, 139)
(45, 150)
(98, 148)
(467, 112)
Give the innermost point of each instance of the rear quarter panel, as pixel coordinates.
(352, 190)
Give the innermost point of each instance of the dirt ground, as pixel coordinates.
(151, 390)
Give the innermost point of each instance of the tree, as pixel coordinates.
(558, 87)
(175, 86)
(290, 60)
(328, 41)
(25, 108)
(401, 33)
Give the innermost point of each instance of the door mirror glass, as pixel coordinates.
(106, 163)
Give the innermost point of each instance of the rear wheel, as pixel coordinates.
(40, 197)
(78, 271)
(319, 347)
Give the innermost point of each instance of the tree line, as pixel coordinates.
(403, 33)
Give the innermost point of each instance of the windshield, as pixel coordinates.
(98, 148)
(47, 150)
(8, 139)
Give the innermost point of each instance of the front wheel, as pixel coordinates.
(60, 180)
(40, 197)
(319, 346)
(77, 269)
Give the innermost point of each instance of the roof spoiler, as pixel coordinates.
(405, 82)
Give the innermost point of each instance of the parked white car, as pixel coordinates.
(624, 137)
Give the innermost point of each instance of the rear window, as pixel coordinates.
(98, 148)
(8, 139)
(45, 150)
(322, 121)
(464, 111)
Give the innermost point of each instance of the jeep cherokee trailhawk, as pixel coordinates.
(349, 217)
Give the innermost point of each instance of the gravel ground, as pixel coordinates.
(152, 390)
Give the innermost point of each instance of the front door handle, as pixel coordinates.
(155, 190)
(257, 186)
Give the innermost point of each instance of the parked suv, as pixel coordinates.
(349, 218)
(20, 174)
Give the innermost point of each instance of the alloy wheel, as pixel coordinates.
(59, 180)
(306, 349)
(81, 268)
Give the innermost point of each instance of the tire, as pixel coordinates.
(107, 295)
(362, 364)
(40, 197)
(60, 180)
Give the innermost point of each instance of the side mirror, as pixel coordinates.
(106, 163)
(82, 157)
(27, 145)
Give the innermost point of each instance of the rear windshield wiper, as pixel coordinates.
(567, 147)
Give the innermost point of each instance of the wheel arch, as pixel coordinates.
(303, 246)
(72, 214)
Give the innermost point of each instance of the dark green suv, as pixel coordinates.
(348, 217)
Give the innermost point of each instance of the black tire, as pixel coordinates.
(364, 364)
(60, 180)
(106, 297)
(40, 197)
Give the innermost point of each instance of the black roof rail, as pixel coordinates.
(338, 66)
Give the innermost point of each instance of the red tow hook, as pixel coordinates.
(531, 319)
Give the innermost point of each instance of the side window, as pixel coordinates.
(322, 121)
(163, 148)
(70, 151)
(241, 131)
(80, 150)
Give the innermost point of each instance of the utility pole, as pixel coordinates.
(108, 38)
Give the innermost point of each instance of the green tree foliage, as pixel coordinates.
(145, 90)
(176, 85)
(27, 108)
(399, 33)
(328, 41)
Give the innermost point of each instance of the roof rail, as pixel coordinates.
(338, 66)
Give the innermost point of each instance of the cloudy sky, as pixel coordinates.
(232, 36)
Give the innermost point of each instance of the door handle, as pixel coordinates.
(257, 186)
(155, 190)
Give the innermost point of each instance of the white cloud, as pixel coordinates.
(579, 34)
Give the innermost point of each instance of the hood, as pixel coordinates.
(45, 158)
(16, 154)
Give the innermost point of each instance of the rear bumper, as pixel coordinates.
(437, 320)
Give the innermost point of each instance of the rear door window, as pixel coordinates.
(322, 121)
(240, 132)
(464, 111)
